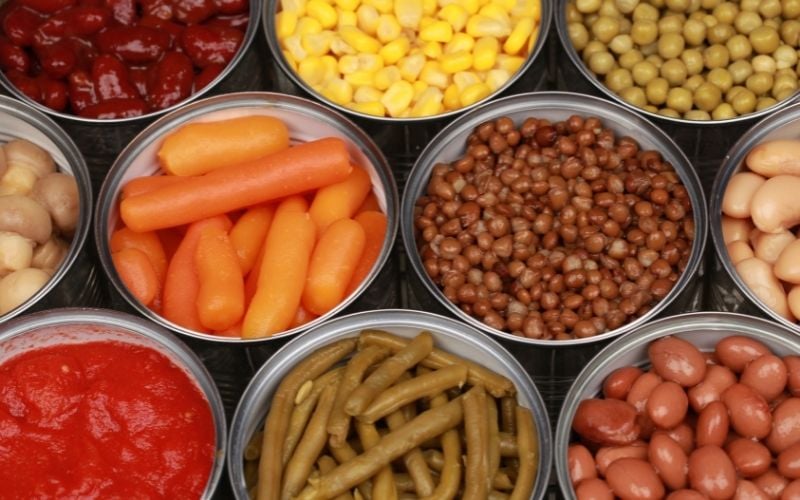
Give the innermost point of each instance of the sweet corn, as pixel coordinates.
(347, 18)
(348, 64)
(465, 79)
(395, 50)
(367, 94)
(370, 62)
(317, 44)
(359, 40)
(519, 36)
(437, 31)
(429, 7)
(298, 7)
(471, 6)
(455, 62)
(307, 25)
(533, 38)
(368, 18)
(290, 60)
(368, 108)
(338, 91)
(428, 103)
(340, 47)
(451, 99)
(347, 5)
(510, 63)
(496, 78)
(322, 12)
(479, 26)
(455, 15)
(388, 28)
(474, 93)
(311, 70)
(360, 78)
(461, 42)
(419, 88)
(408, 13)
(484, 55)
(285, 23)
(398, 97)
(294, 46)
(494, 11)
(433, 75)
(331, 67)
(387, 76)
(432, 50)
(411, 66)
(383, 6)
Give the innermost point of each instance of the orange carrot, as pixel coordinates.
(370, 204)
(220, 298)
(197, 148)
(147, 242)
(294, 170)
(374, 225)
(332, 265)
(234, 331)
(301, 317)
(182, 283)
(171, 239)
(340, 200)
(247, 235)
(136, 271)
(148, 183)
(282, 276)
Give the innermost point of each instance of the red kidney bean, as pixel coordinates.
(123, 11)
(135, 44)
(193, 11)
(172, 82)
(81, 91)
(57, 59)
(158, 8)
(231, 7)
(236, 21)
(175, 30)
(606, 421)
(207, 75)
(139, 77)
(47, 6)
(54, 93)
(13, 58)
(210, 45)
(25, 84)
(19, 25)
(116, 108)
(111, 80)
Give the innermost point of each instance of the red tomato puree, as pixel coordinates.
(102, 420)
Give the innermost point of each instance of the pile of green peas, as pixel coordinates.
(692, 59)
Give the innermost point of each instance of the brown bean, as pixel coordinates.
(736, 351)
(712, 425)
(767, 375)
(669, 460)
(609, 454)
(749, 411)
(785, 426)
(606, 421)
(751, 458)
(711, 472)
(717, 379)
(619, 383)
(667, 405)
(677, 360)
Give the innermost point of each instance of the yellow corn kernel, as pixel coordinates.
(432, 50)
(385, 77)
(395, 50)
(458, 61)
(347, 18)
(338, 91)
(311, 70)
(484, 55)
(433, 75)
(339, 46)
(347, 5)
(411, 66)
(471, 6)
(510, 63)
(331, 67)
(474, 93)
(419, 87)
(479, 26)
(322, 12)
(455, 15)
(496, 78)
(388, 28)
(383, 6)
(359, 40)
(494, 11)
(296, 6)
(429, 7)
(451, 98)
(367, 94)
(307, 25)
(360, 78)
(290, 60)
(368, 108)
(294, 45)
(318, 44)
(348, 63)
(408, 12)
(438, 31)
(428, 103)
(528, 8)
(519, 36)
(368, 18)
(370, 62)
(398, 97)
(461, 42)
(285, 23)
(533, 38)
(465, 79)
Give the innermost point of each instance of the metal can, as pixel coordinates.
(76, 281)
(553, 364)
(449, 336)
(728, 292)
(703, 329)
(77, 326)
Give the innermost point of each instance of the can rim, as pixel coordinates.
(589, 104)
(79, 171)
(269, 29)
(184, 357)
(249, 35)
(731, 164)
(285, 359)
(566, 43)
(109, 193)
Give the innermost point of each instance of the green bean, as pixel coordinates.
(450, 459)
(528, 455)
(302, 411)
(413, 460)
(476, 427)
(383, 486)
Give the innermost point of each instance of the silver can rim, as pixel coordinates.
(286, 357)
(80, 172)
(731, 164)
(740, 324)
(109, 193)
(268, 22)
(117, 320)
(566, 43)
(590, 106)
(247, 41)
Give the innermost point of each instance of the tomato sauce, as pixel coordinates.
(102, 420)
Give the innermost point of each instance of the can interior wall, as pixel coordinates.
(77, 281)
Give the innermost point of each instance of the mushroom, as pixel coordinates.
(3, 161)
(23, 224)
(19, 286)
(26, 162)
(58, 193)
(49, 256)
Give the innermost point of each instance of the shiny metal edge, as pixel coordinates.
(568, 103)
(252, 408)
(109, 191)
(25, 113)
(268, 21)
(685, 326)
(137, 326)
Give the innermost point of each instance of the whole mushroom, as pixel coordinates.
(58, 193)
(19, 286)
(24, 223)
(25, 164)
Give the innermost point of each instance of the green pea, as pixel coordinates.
(656, 91)
(707, 96)
(670, 45)
(764, 40)
(716, 56)
(739, 47)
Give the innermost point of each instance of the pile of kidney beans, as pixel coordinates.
(117, 58)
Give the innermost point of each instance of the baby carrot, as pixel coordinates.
(370, 204)
(147, 183)
(220, 297)
(182, 284)
(247, 235)
(295, 170)
(340, 200)
(301, 317)
(287, 250)
(197, 148)
(374, 225)
(147, 242)
(136, 271)
(332, 265)
(171, 239)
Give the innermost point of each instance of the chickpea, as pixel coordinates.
(578, 34)
(716, 56)
(669, 112)
(710, 21)
(644, 31)
(748, 5)
(650, 108)
(621, 44)
(790, 8)
(645, 12)
(588, 6)
(785, 85)
(746, 22)
(619, 79)
(670, 24)
(740, 71)
(772, 23)
(760, 83)
(764, 63)
(697, 114)
(643, 72)
(678, 5)
(707, 96)
(674, 71)
(634, 96)
(744, 102)
(726, 12)
(723, 112)
(591, 48)
(709, 4)
(655, 60)
(693, 59)
(765, 102)
(627, 6)
(609, 9)
(733, 92)
(670, 45)
(679, 99)
(605, 28)
(784, 94)
(694, 32)
(785, 57)
(693, 82)
(764, 40)
(601, 63)
(573, 14)
(630, 59)
(738, 47)
(720, 77)
(656, 91)
(720, 33)
(790, 32)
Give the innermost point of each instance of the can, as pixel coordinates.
(76, 326)
(553, 364)
(727, 290)
(694, 136)
(703, 329)
(448, 335)
(101, 140)
(401, 139)
(76, 281)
